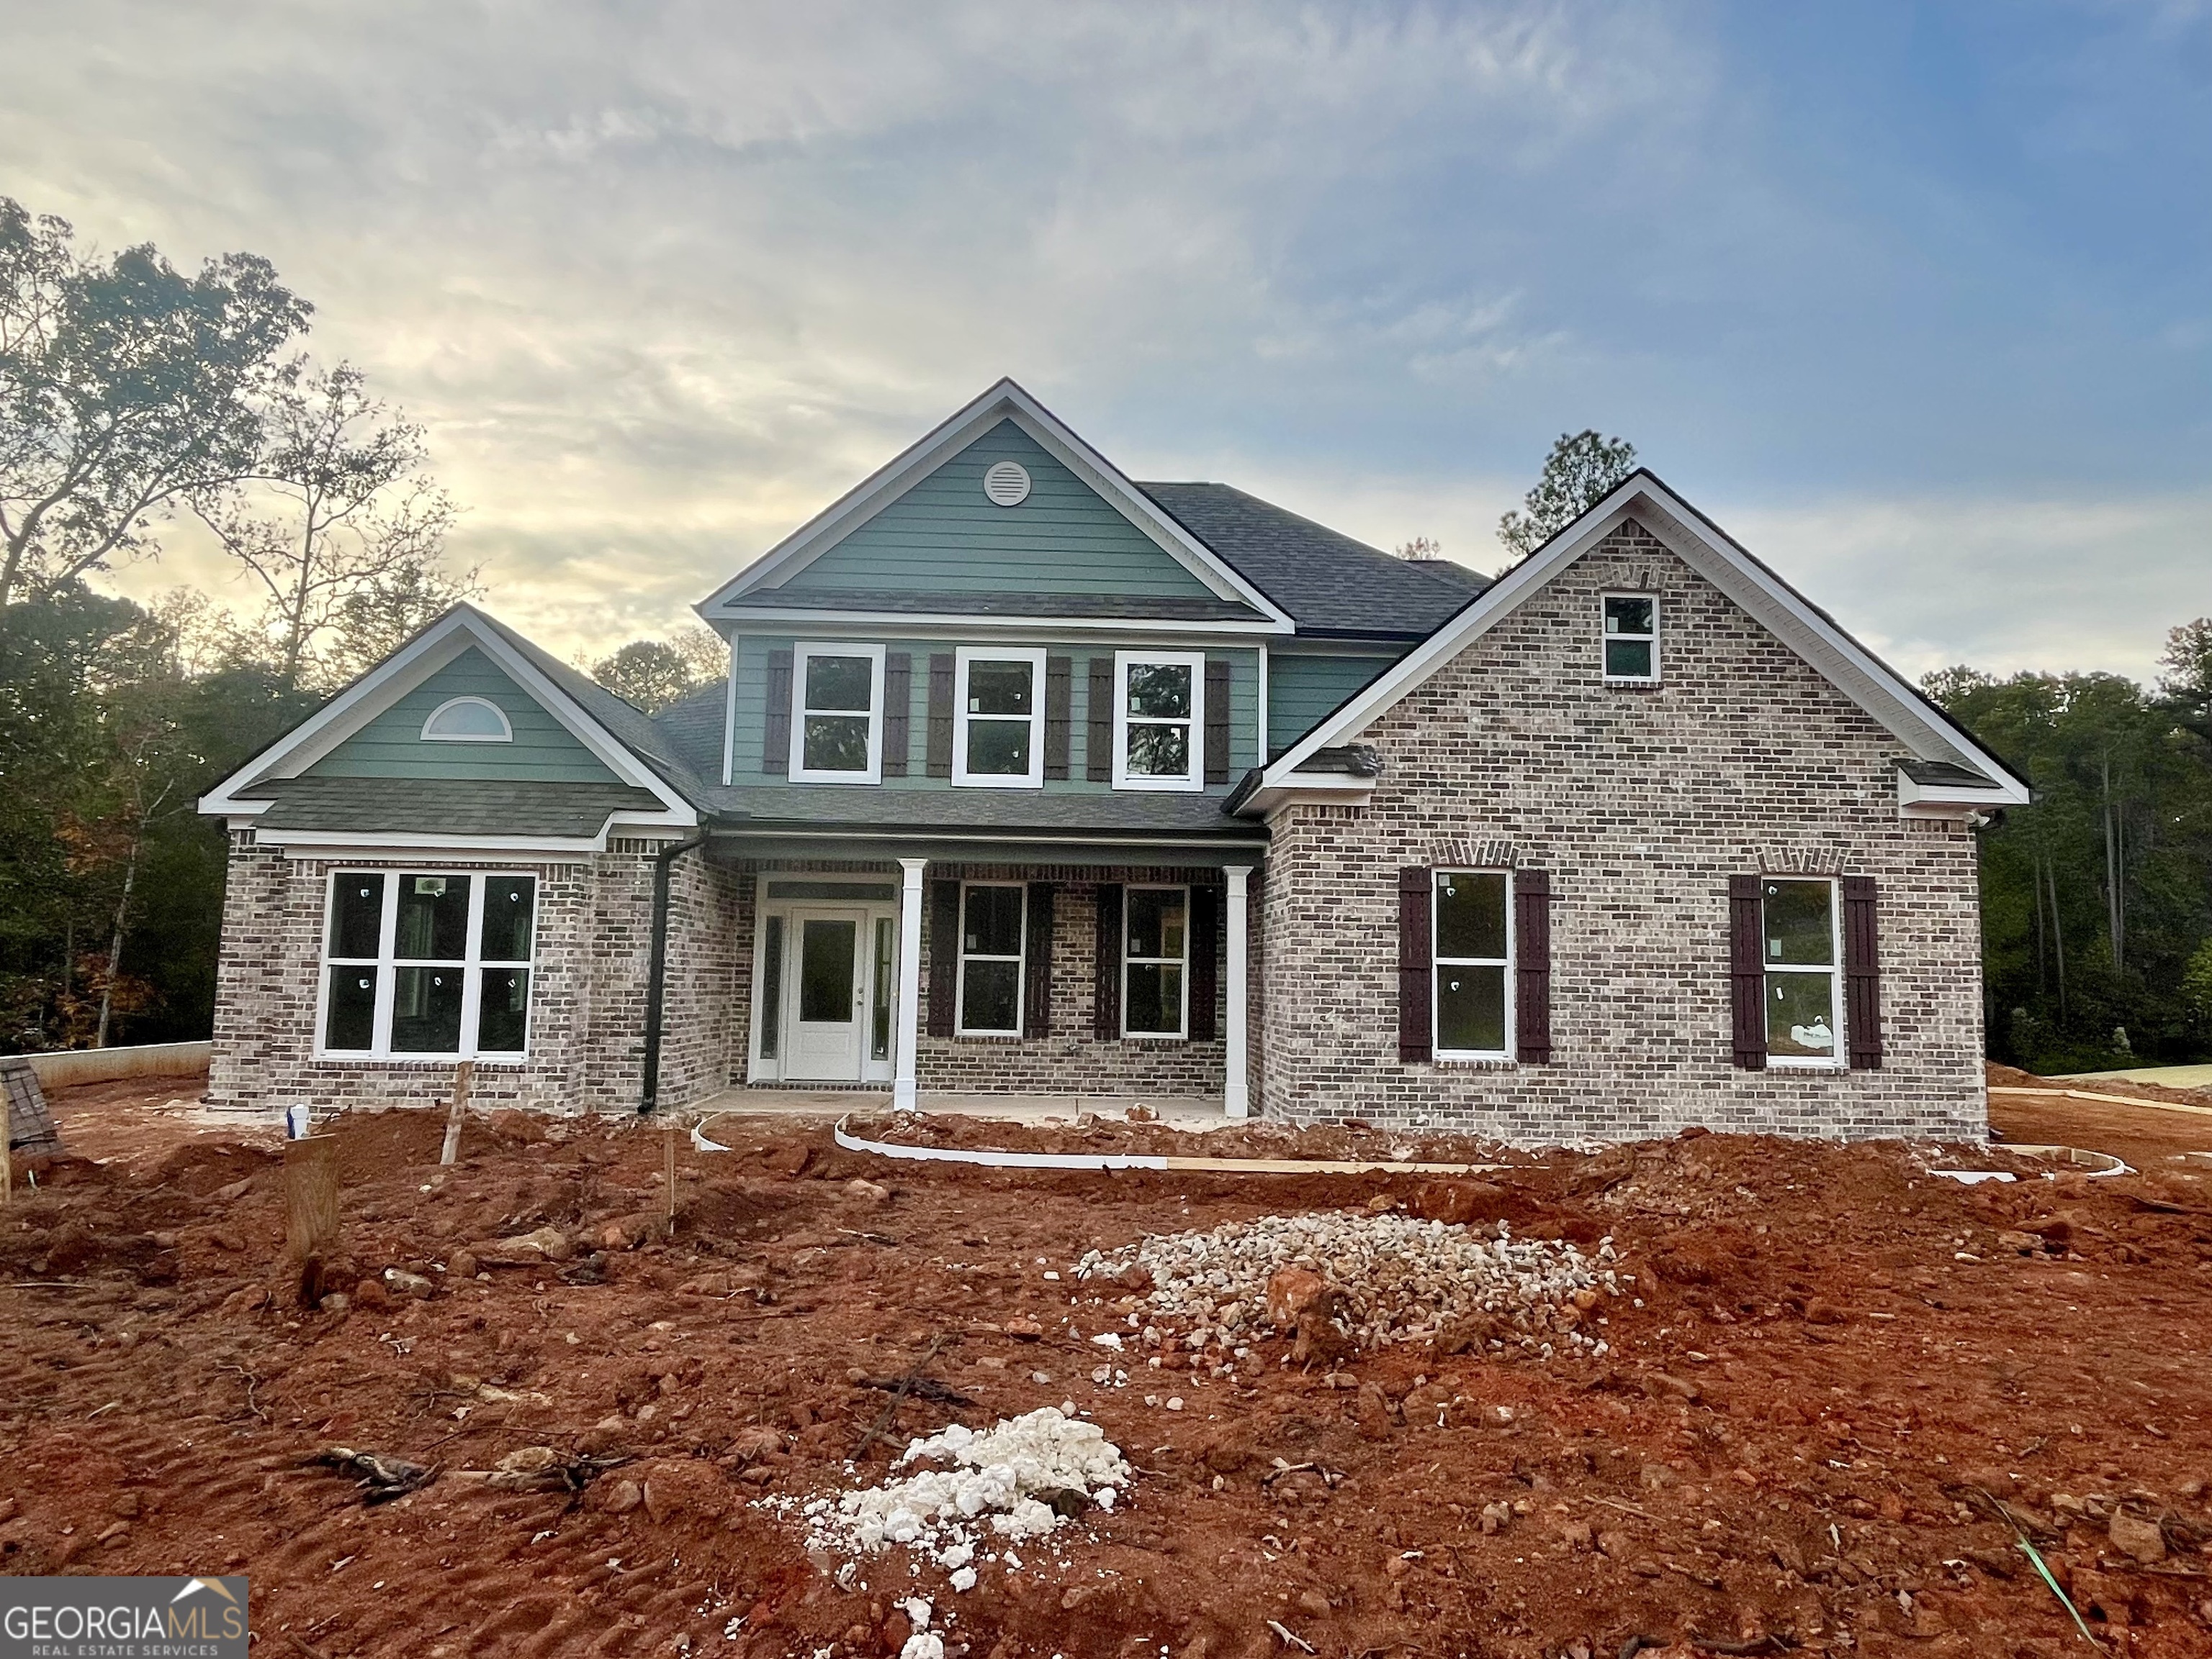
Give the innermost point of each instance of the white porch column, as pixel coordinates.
(1236, 1087)
(909, 983)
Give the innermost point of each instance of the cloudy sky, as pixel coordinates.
(1915, 300)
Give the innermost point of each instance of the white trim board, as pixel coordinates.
(1868, 681)
(1004, 401)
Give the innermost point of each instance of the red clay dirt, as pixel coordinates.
(1850, 1385)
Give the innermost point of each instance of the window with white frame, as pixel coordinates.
(837, 707)
(999, 718)
(428, 964)
(1801, 950)
(990, 984)
(468, 719)
(1473, 934)
(1632, 637)
(1158, 715)
(1156, 961)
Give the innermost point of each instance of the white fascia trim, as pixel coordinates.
(328, 843)
(1853, 670)
(1004, 401)
(1265, 803)
(968, 627)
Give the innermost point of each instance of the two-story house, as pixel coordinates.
(1027, 778)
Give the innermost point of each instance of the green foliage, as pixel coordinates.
(1581, 471)
(656, 674)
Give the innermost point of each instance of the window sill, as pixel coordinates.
(1155, 1036)
(1616, 685)
(959, 782)
(1476, 1062)
(1161, 786)
(341, 1057)
(1775, 1064)
(986, 1037)
(848, 778)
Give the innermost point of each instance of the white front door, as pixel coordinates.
(828, 993)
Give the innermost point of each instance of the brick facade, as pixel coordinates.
(1641, 803)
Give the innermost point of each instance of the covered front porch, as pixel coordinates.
(1013, 976)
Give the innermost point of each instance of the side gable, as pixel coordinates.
(391, 744)
(1926, 732)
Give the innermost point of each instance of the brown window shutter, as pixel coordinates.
(776, 739)
(1204, 977)
(1106, 999)
(1747, 973)
(939, 760)
(1217, 721)
(1416, 965)
(1059, 705)
(1098, 735)
(944, 958)
(1037, 952)
(1532, 967)
(898, 710)
(1862, 975)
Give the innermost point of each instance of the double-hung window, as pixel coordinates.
(991, 921)
(1158, 715)
(1799, 949)
(1156, 962)
(1474, 956)
(428, 964)
(999, 718)
(837, 726)
(1632, 638)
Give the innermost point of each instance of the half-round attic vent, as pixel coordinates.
(1007, 483)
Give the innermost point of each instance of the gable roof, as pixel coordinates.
(1330, 583)
(1003, 402)
(622, 738)
(1926, 731)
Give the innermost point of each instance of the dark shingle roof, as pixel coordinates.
(692, 730)
(904, 603)
(454, 806)
(999, 809)
(1330, 583)
(1947, 773)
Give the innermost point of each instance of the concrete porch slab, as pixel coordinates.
(1192, 1113)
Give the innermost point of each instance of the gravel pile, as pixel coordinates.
(1404, 1280)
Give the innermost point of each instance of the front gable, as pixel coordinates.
(392, 745)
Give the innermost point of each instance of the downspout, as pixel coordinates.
(656, 974)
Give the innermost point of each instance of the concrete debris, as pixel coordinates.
(1374, 1279)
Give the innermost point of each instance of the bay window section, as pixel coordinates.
(999, 718)
(1799, 949)
(991, 967)
(1157, 718)
(428, 964)
(1473, 950)
(836, 729)
(1155, 962)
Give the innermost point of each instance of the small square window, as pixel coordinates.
(1632, 637)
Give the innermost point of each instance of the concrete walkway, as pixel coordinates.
(827, 1105)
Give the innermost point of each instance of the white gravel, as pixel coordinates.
(1404, 1280)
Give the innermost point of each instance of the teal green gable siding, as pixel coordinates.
(752, 709)
(391, 746)
(1302, 689)
(944, 536)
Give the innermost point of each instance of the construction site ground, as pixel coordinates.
(1839, 1392)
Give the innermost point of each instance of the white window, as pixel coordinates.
(468, 719)
(997, 736)
(1800, 949)
(836, 714)
(1473, 934)
(1156, 961)
(428, 964)
(1632, 637)
(1159, 719)
(992, 917)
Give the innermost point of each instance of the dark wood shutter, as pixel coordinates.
(1416, 966)
(944, 958)
(1532, 967)
(1098, 735)
(898, 711)
(775, 737)
(1106, 976)
(1205, 976)
(1217, 721)
(1036, 950)
(1059, 707)
(939, 759)
(1747, 973)
(1862, 975)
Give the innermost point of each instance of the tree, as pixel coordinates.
(656, 674)
(123, 386)
(340, 524)
(2187, 682)
(1580, 470)
(1420, 549)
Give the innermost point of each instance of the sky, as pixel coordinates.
(1912, 299)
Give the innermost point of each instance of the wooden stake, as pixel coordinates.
(310, 1196)
(462, 1074)
(7, 1147)
(668, 1168)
